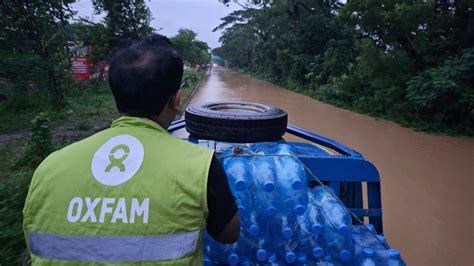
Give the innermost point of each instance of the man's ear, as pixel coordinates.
(175, 101)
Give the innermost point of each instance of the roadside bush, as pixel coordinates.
(190, 77)
(26, 73)
(40, 144)
(13, 191)
(445, 94)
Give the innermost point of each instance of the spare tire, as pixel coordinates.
(236, 122)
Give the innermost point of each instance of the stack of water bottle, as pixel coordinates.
(284, 222)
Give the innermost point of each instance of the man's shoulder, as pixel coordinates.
(75, 149)
(189, 148)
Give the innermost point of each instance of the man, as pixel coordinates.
(132, 193)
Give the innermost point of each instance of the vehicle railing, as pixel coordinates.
(346, 173)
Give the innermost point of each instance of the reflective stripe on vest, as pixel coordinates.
(113, 248)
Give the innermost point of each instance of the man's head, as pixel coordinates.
(145, 79)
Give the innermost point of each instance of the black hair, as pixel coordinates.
(145, 75)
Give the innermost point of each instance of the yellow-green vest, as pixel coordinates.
(129, 195)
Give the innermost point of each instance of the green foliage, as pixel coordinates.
(24, 72)
(93, 35)
(386, 58)
(446, 93)
(39, 145)
(190, 77)
(40, 135)
(125, 20)
(13, 191)
(39, 27)
(191, 50)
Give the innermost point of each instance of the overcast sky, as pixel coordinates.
(199, 15)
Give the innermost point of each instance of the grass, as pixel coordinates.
(186, 91)
(13, 189)
(83, 99)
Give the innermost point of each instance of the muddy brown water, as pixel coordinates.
(427, 180)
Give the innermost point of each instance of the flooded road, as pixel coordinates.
(427, 180)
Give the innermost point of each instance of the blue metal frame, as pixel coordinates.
(345, 172)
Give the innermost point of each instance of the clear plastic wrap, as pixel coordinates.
(283, 222)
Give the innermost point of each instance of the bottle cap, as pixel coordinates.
(316, 228)
(368, 252)
(371, 227)
(269, 186)
(328, 258)
(381, 238)
(233, 259)
(207, 261)
(301, 258)
(290, 257)
(394, 253)
(344, 255)
(261, 254)
(356, 238)
(297, 184)
(271, 211)
(299, 209)
(318, 252)
(241, 208)
(344, 230)
(287, 233)
(254, 229)
(240, 185)
(246, 263)
(272, 257)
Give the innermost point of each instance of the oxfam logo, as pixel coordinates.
(117, 160)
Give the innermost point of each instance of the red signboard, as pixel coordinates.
(81, 69)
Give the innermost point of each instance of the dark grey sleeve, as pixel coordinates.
(220, 200)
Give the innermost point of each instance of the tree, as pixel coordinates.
(402, 59)
(191, 50)
(125, 20)
(39, 27)
(93, 35)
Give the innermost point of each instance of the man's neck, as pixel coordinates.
(161, 120)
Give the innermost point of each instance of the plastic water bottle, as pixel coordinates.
(357, 240)
(335, 213)
(261, 253)
(369, 237)
(315, 217)
(293, 202)
(262, 169)
(307, 237)
(337, 224)
(230, 253)
(328, 261)
(304, 232)
(238, 172)
(246, 262)
(286, 199)
(290, 172)
(301, 259)
(289, 255)
(337, 245)
(391, 257)
(317, 251)
(252, 221)
(211, 250)
(284, 227)
(367, 257)
(273, 260)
